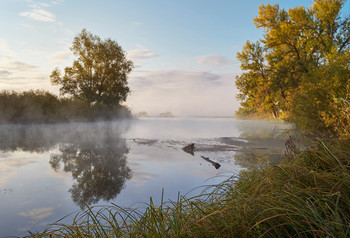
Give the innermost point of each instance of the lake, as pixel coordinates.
(49, 171)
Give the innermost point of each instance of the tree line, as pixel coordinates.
(38, 106)
(93, 88)
(300, 70)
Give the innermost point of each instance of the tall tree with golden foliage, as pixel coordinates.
(300, 70)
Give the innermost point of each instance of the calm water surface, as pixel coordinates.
(49, 171)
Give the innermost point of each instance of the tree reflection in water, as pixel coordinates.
(260, 143)
(94, 153)
(100, 170)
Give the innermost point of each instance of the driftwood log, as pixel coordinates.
(216, 165)
(189, 148)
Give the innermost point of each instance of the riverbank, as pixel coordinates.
(307, 194)
(43, 107)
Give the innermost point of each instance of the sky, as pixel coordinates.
(184, 51)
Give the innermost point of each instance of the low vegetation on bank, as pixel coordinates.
(45, 107)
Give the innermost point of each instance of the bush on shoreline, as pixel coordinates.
(38, 106)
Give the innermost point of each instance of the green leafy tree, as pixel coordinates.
(99, 74)
(300, 69)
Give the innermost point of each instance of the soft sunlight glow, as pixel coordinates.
(183, 52)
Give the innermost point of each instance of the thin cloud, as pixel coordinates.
(60, 56)
(4, 73)
(39, 14)
(20, 66)
(38, 11)
(13, 66)
(5, 48)
(17, 75)
(65, 42)
(172, 79)
(184, 93)
(213, 60)
(42, 4)
(34, 4)
(22, 81)
(26, 25)
(140, 54)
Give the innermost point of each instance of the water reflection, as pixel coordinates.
(94, 153)
(260, 143)
(257, 159)
(27, 138)
(46, 171)
(41, 138)
(264, 130)
(100, 171)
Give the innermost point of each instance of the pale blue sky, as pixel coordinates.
(184, 50)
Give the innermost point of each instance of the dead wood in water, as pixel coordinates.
(216, 165)
(189, 149)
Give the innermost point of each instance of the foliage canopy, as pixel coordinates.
(99, 73)
(300, 70)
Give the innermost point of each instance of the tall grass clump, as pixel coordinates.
(306, 195)
(169, 219)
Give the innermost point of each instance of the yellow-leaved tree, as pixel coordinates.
(300, 70)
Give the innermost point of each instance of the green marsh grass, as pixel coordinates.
(306, 195)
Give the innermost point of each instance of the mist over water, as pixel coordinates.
(42, 137)
(48, 171)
